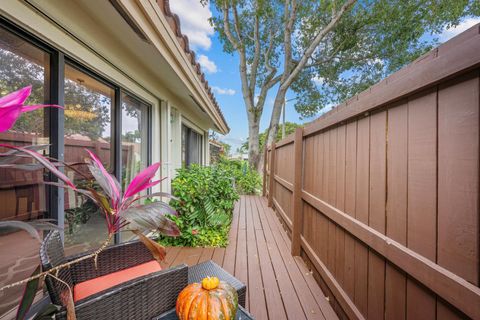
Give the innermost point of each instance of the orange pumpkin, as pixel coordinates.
(210, 300)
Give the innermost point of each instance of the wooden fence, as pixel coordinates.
(381, 195)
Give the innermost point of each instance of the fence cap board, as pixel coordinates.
(287, 140)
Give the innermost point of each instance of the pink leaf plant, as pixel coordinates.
(12, 106)
(121, 209)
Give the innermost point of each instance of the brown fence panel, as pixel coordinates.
(283, 181)
(381, 194)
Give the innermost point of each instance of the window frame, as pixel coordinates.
(56, 125)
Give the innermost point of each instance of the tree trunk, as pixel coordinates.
(253, 141)
(275, 119)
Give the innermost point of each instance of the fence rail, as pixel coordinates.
(381, 194)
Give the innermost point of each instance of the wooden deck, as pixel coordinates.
(279, 286)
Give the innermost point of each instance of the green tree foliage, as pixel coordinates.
(226, 148)
(289, 129)
(132, 136)
(324, 51)
(375, 39)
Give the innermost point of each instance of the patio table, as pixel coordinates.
(242, 314)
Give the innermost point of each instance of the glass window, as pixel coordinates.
(134, 138)
(23, 196)
(88, 125)
(134, 142)
(191, 146)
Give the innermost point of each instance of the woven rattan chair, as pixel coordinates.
(140, 298)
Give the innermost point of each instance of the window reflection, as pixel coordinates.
(88, 125)
(134, 137)
(23, 196)
(134, 142)
(191, 146)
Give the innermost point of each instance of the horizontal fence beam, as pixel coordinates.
(283, 214)
(286, 141)
(452, 288)
(287, 185)
(342, 297)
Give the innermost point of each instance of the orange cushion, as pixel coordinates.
(92, 286)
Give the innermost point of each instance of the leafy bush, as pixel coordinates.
(194, 236)
(206, 197)
(247, 181)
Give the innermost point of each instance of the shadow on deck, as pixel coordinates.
(279, 286)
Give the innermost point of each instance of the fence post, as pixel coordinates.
(264, 186)
(271, 176)
(297, 193)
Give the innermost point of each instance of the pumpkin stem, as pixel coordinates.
(210, 283)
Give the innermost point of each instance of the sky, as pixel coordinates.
(221, 69)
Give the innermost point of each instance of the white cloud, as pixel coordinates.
(318, 80)
(452, 31)
(207, 64)
(228, 92)
(194, 22)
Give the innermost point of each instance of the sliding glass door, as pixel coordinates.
(23, 196)
(89, 105)
(98, 115)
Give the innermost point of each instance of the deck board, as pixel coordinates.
(279, 286)
(255, 286)
(241, 263)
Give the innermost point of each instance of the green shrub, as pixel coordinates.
(195, 236)
(206, 197)
(247, 181)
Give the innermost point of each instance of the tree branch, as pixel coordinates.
(274, 81)
(317, 63)
(226, 27)
(256, 57)
(236, 23)
(316, 41)
(238, 45)
(267, 53)
(269, 82)
(289, 16)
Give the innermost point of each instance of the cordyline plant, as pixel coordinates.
(122, 210)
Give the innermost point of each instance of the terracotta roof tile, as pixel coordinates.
(174, 22)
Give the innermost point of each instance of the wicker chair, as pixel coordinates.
(141, 298)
